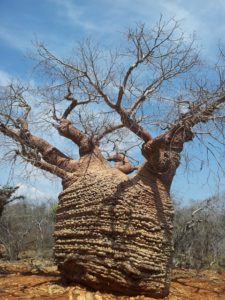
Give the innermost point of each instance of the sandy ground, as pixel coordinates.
(40, 280)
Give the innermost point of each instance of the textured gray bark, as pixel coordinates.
(114, 232)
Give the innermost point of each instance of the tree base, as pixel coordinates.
(114, 234)
(133, 286)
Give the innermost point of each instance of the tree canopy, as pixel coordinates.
(155, 87)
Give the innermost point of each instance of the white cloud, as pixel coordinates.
(33, 194)
(108, 18)
(4, 78)
(73, 14)
(14, 37)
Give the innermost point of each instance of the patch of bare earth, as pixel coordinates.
(41, 280)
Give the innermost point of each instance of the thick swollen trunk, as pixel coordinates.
(114, 233)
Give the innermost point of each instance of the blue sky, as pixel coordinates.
(62, 23)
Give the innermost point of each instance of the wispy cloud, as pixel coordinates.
(70, 20)
(32, 193)
(73, 14)
(14, 37)
(5, 78)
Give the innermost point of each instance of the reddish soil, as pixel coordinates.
(40, 280)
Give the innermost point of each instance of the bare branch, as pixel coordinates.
(49, 153)
(109, 129)
(122, 163)
(94, 83)
(17, 94)
(69, 109)
(66, 129)
(133, 125)
(31, 157)
(200, 112)
(74, 102)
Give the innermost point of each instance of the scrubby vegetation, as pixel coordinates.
(26, 230)
(199, 236)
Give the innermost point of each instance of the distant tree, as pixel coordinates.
(199, 236)
(114, 231)
(6, 196)
(26, 230)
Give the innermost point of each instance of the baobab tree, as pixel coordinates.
(114, 230)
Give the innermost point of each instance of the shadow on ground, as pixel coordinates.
(38, 280)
